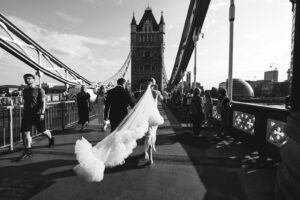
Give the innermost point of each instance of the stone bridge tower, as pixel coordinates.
(147, 45)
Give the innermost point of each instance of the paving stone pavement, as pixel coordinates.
(185, 167)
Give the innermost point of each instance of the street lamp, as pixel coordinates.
(231, 21)
(195, 39)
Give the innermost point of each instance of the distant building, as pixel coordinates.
(57, 89)
(10, 90)
(241, 89)
(271, 76)
(48, 85)
(262, 88)
(268, 88)
(223, 85)
(281, 89)
(147, 46)
(198, 85)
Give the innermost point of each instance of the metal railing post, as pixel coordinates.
(62, 115)
(11, 131)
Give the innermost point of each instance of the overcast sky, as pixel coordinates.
(93, 36)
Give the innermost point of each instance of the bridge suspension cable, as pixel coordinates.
(112, 81)
(17, 43)
(193, 24)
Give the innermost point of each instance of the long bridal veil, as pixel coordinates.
(117, 146)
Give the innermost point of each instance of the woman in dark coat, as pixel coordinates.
(224, 104)
(196, 113)
(83, 103)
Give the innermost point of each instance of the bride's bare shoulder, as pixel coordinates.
(155, 93)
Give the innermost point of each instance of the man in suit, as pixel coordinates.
(117, 101)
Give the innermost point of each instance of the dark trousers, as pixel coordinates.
(224, 121)
(114, 123)
(197, 121)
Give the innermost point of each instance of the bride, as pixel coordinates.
(116, 147)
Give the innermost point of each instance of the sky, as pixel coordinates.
(93, 36)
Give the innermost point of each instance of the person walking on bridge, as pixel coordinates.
(83, 103)
(150, 136)
(223, 109)
(196, 112)
(100, 102)
(34, 114)
(117, 101)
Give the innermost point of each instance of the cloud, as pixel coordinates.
(67, 17)
(170, 27)
(116, 2)
(80, 53)
(273, 1)
(213, 22)
(253, 36)
(216, 5)
(174, 45)
(208, 23)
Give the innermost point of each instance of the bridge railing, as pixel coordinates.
(58, 116)
(259, 124)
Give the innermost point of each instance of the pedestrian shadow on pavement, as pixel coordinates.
(27, 179)
(231, 181)
(201, 142)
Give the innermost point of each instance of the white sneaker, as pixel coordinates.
(146, 156)
(105, 127)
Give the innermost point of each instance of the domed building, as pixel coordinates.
(241, 89)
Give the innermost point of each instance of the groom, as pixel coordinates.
(117, 101)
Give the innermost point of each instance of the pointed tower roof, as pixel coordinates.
(162, 21)
(148, 16)
(148, 7)
(133, 22)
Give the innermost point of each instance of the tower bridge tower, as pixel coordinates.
(147, 45)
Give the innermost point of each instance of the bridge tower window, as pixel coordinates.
(147, 67)
(147, 54)
(153, 68)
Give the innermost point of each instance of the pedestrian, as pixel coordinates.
(34, 102)
(223, 109)
(207, 108)
(83, 103)
(189, 96)
(150, 136)
(100, 101)
(196, 113)
(165, 97)
(117, 101)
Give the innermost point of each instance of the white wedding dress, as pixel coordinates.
(116, 147)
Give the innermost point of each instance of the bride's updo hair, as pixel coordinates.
(152, 80)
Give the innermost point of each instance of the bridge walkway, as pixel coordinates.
(185, 167)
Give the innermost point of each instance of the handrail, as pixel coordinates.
(262, 124)
(58, 116)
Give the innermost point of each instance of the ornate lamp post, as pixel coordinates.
(231, 21)
(288, 173)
